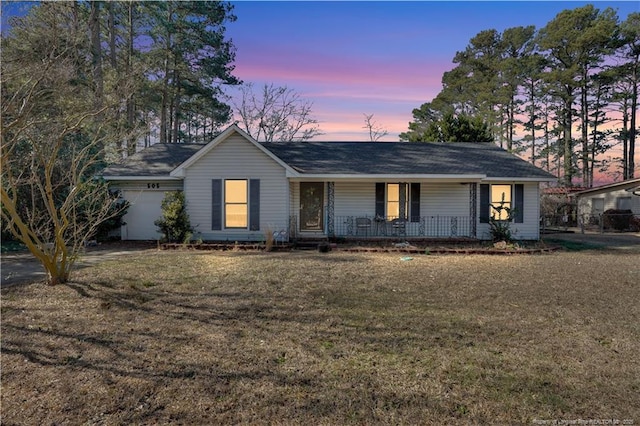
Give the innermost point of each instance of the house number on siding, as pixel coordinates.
(153, 185)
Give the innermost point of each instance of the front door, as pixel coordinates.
(311, 206)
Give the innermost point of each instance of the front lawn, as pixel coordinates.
(339, 338)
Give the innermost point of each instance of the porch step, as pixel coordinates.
(309, 244)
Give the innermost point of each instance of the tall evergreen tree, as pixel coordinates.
(629, 71)
(451, 128)
(189, 62)
(575, 43)
(516, 46)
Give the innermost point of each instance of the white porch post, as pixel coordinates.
(473, 208)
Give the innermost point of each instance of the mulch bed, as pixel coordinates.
(366, 249)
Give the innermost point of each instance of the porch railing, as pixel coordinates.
(424, 226)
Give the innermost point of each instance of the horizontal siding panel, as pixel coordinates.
(444, 199)
(237, 158)
(355, 199)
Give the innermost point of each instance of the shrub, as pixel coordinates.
(620, 220)
(118, 210)
(268, 239)
(501, 229)
(174, 223)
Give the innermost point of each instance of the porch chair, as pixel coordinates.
(363, 226)
(399, 226)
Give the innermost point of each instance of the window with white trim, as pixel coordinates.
(236, 208)
(500, 197)
(394, 200)
(507, 195)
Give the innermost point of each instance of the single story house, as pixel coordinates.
(238, 189)
(623, 195)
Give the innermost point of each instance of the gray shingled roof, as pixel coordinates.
(404, 158)
(157, 160)
(370, 158)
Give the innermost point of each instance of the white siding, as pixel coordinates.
(444, 199)
(530, 228)
(237, 158)
(355, 199)
(610, 201)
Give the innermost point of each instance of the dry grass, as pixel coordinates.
(309, 338)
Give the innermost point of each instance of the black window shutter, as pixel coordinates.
(380, 190)
(414, 196)
(484, 203)
(216, 204)
(254, 204)
(519, 203)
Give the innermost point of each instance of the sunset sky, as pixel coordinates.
(381, 58)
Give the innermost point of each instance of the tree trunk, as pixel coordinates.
(584, 112)
(131, 144)
(632, 126)
(568, 143)
(624, 135)
(112, 35)
(532, 120)
(96, 51)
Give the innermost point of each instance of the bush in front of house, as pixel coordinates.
(500, 229)
(620, 220)
(174, 223)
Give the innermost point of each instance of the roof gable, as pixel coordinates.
(180, 170)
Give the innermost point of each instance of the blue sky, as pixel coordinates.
(354, 58)
(382, 58)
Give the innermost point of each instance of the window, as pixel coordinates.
(235, 203)
(389, 200)
(394, 200)
(500, 197)
(623, 203)
(507, 195)
(597, 206)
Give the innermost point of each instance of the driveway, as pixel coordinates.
(22, 267)
(607, 240)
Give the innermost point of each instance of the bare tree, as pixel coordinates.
(54, 136)
(376, 131)
(278, 113)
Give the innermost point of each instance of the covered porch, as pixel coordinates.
(367, 227)
(383, 210)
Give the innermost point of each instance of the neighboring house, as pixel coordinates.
(237, 189)
(623, 195)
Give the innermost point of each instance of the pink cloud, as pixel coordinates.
(343, 88)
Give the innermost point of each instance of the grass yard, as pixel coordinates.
(339, 338)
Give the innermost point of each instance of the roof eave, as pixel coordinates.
(139, 178)
(521, 179)
(365, 176)
(608, 186)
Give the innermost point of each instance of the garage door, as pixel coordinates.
(145, 208)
